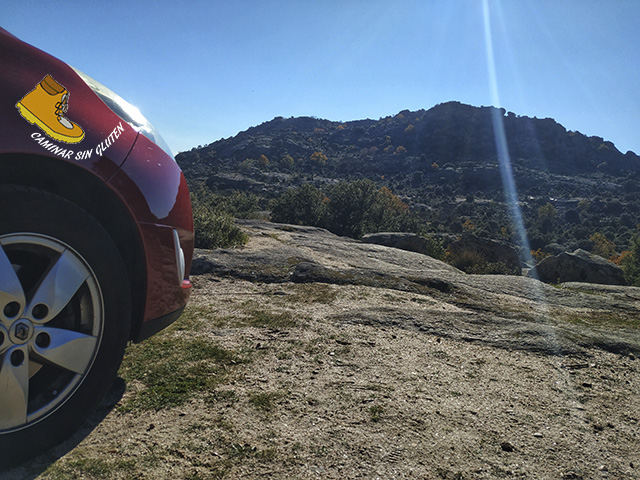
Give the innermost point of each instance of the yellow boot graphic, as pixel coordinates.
(45, 106)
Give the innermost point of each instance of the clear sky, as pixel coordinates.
(203, 70)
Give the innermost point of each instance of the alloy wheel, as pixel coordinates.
(51, 323)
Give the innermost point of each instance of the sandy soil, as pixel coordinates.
(345, 399)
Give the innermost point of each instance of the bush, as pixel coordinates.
(630, 263)
(237, 204)
(359, 207)
(348, 205)
(473, 262)
(352, 209)
(435, 248)
(539, 255)
(305, 205)
(215, 229)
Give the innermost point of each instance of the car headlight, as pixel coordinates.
(126, 111)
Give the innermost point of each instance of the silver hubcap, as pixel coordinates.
(51, 320)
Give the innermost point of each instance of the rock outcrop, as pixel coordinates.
(490, 251)
(513, 312)
(579, 266)
(404, 241)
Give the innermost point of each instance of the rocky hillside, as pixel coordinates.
(452, 135)
(443, 163)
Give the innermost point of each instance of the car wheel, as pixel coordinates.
(65, 306)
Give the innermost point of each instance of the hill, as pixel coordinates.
(443, 163)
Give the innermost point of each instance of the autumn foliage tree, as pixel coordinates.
(319, 158)
(386, 212)
(468, 225)
(630, 262)
(401, 150)
(602, 246)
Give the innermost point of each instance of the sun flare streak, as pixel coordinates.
(506, 173)
(504, 160)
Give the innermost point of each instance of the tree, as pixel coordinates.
(539, 255)
(263, 161)
(287, 161)
(547, 213)
(584, 205)
(400, 150)
(468, 225)
(305, 205)
(359, 207)
(246, 164)
(572, 216)
(630, 263)
(319, 158)
(348, 205)
(602, 246)
(547, 216)
(386, 213)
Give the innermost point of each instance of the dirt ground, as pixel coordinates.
(328, 395)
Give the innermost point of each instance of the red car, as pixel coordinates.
(96, 240)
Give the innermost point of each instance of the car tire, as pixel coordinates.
(65, 313)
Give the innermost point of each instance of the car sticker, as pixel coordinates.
(45, 107)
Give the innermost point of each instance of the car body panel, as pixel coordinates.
(24, 67)
(140, 174)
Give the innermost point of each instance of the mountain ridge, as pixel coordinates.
(429, 132)
(443, 162)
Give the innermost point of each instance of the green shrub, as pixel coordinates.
(348, 208)
(352, 209)
(631, 262)
(214, 229)
(305, 205)
(473, 262)
(435, 248)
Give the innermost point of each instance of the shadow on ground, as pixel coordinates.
(35, 467)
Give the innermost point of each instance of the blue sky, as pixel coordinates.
(203, 70)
